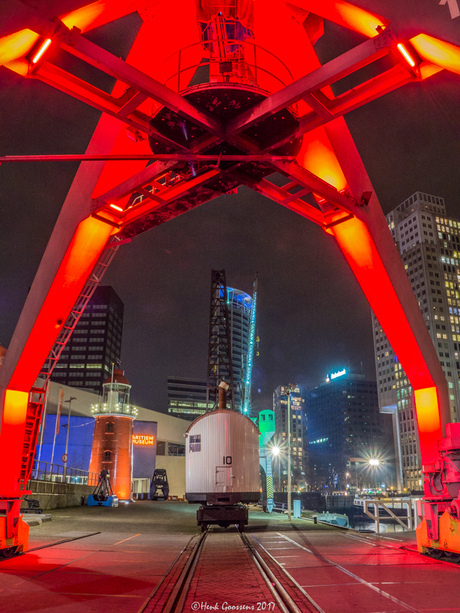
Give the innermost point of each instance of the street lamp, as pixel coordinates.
(67, 437)
(275, 452)
(289, 388)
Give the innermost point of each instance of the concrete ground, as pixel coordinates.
(102, 559)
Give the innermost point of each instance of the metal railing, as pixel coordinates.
(45, 471)
(407, 507)
(248, 64)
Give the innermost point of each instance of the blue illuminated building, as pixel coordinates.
(187, 396)
(241, 312)
(344, 426)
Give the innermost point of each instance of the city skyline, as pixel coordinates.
(310, 306)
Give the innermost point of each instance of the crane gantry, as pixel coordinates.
(213, 96)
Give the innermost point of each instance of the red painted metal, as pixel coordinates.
(251, 47)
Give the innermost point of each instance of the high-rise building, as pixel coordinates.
(429, 244)
(298, 434)
(239, 311)
(187, 397)
(95, 344)
(345, 428)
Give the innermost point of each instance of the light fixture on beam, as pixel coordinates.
(43, 47)
(116, 207)
(403, 50)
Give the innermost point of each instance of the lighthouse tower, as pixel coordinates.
(112, 441)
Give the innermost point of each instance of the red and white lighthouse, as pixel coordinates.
(113, 432)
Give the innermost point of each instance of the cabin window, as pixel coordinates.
(195, 442)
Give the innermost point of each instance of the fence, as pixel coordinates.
(45, 471)
(405, 507)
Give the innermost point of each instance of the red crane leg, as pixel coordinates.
(370, 250)
(86, 246)
(357, 245)
(74, 247)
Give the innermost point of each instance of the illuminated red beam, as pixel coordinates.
(133, 77)
(361, 253)
(345, 14)
(171, 194)
(437, 52)
(88, 242)
(279, 195)
(351, 100)
(79, 89)
(178, 157)
(329, 73)
(18, 44)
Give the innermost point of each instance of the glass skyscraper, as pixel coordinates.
(186, 396)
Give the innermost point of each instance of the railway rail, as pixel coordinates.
(272, 588)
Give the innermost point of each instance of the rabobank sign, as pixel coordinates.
(339, 373)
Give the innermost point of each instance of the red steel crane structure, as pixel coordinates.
(216, 95)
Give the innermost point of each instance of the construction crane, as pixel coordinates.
(220, 366)
(259, 103)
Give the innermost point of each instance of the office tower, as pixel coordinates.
(240, 312)
(298, 434)
(345, 428)
(86, 361)
(429, 244)
(187, 397)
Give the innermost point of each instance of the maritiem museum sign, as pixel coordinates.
(143, 439)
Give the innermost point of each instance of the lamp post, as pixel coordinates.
(289, 389)
(374, 463)
(67, 436)
(275, 451)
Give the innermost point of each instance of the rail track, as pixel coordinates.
(182, 591)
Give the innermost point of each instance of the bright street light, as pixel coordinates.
(288, 389)
(275, 451)
(374, 462)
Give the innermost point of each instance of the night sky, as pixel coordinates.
(312, 317)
